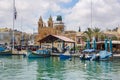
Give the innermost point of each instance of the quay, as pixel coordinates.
(15, 52)
(22, 52)
(78, 55)
(116, 56)
(58, 54)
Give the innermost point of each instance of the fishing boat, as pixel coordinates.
(66, 55)
(101, 55)
(105, 54)
(38, 53)
(87, 54)
(5, 51)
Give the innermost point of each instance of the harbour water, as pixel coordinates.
(20, 68)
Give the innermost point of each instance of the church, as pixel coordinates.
(53, 27)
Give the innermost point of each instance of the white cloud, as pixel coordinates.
(65, 1)
(4, 4)
(105, 13)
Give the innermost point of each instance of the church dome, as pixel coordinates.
(59, 18)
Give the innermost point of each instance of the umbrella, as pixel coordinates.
(110, 45)
(88, 44)
(106, 46)
(94, 44)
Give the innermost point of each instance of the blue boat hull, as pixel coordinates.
(62, 56)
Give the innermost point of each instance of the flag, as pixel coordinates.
(15, 13)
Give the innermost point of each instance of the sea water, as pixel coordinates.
(20, 68)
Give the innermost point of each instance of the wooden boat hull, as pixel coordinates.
(6, 53)
(32, 54)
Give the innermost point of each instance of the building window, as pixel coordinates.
(78, 41)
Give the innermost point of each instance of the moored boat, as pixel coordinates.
(66, 55)
(38, 53)
(87, 54)
(5, 51)
(63, 56)
(86, 58)
(103, 55)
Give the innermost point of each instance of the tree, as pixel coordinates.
(114, 38)
(88, 33)
(96, 33)
(79, 30)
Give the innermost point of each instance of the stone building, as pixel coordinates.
(54, 28)
(113, 33)
(6, 36)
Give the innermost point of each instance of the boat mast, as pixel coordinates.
(33, 37)
(13, 24)
(91, 13)
(22, 34)
(14, 18)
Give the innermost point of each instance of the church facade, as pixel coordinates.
(52, 27)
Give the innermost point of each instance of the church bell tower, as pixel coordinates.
(40, 24)
(50, 22)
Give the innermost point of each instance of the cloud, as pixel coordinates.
(65, 1)
(105, 13)
(28, 13)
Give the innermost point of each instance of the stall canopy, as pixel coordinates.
(52, 38)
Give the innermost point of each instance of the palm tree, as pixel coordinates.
(97, 33)
(102, 37)
(88, 34)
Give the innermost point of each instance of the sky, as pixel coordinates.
(75, 13)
